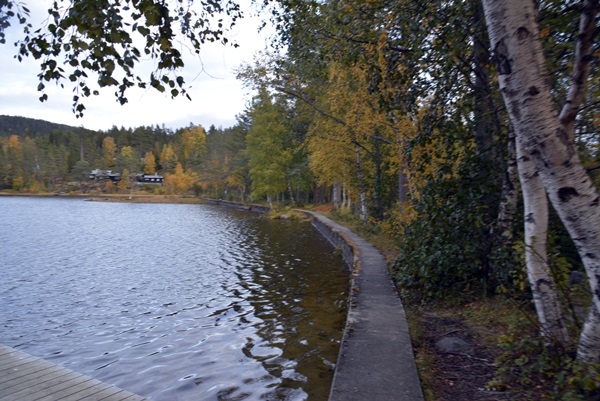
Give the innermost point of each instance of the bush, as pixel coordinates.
(546, 372)
(445, 248)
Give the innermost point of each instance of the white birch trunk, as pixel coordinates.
(289, 187)
(524, 82)
(348, 197)
(361, 187)
(541, 281)
(335, 195)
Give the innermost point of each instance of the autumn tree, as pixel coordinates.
(13, 162)
(350, 120)
(179, 181)
(331, 161)
(168, 159)
(149, 163)
(192, 146)
(109, 150)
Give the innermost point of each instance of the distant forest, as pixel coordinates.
(10, 125)
(39, 156)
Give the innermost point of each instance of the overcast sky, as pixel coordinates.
(217, 97)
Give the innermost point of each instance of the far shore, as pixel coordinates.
(135, 198)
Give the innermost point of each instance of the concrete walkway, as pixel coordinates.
(376, 360)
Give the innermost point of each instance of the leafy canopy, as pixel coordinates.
(84, 41)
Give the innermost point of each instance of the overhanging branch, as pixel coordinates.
(583, 57)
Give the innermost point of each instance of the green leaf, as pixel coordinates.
(143, 30)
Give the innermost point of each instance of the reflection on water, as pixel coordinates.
(173, 302)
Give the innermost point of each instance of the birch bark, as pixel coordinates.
(541, 281)
(335, 195)
(361, 187)
(524, 82)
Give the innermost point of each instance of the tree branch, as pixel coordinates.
(312, 104)
(583, 57)
(590, 169)
(324, 113)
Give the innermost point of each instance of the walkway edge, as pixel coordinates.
(376, 359)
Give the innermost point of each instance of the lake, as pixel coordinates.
(171, 301)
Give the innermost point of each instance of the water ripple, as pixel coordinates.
(183, 302)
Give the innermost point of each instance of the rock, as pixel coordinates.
(454, 345)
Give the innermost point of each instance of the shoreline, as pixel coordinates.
(136, 198)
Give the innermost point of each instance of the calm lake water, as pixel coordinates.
(172, 302)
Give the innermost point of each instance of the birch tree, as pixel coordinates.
(547, 132)
(543, 285)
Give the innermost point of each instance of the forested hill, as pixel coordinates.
(38, 156)
(22, 126)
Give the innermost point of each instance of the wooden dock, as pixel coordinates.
(26, 378)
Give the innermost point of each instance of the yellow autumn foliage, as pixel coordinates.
(180, 181)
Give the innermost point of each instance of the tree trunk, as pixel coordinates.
(361, 186)
(335, 195)
(508, 202)
(525, 85)
(402, 183)
(291, 192)
(377, 188)
(541, 281)
(345, 196)
(402, 178)
(487, 125)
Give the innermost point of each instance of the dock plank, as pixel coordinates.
(45, 390)
(27, 374)
(111, 393)
(60, 393)
(26, 378)
(14, 363)
(11, 357)
(90, 391)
